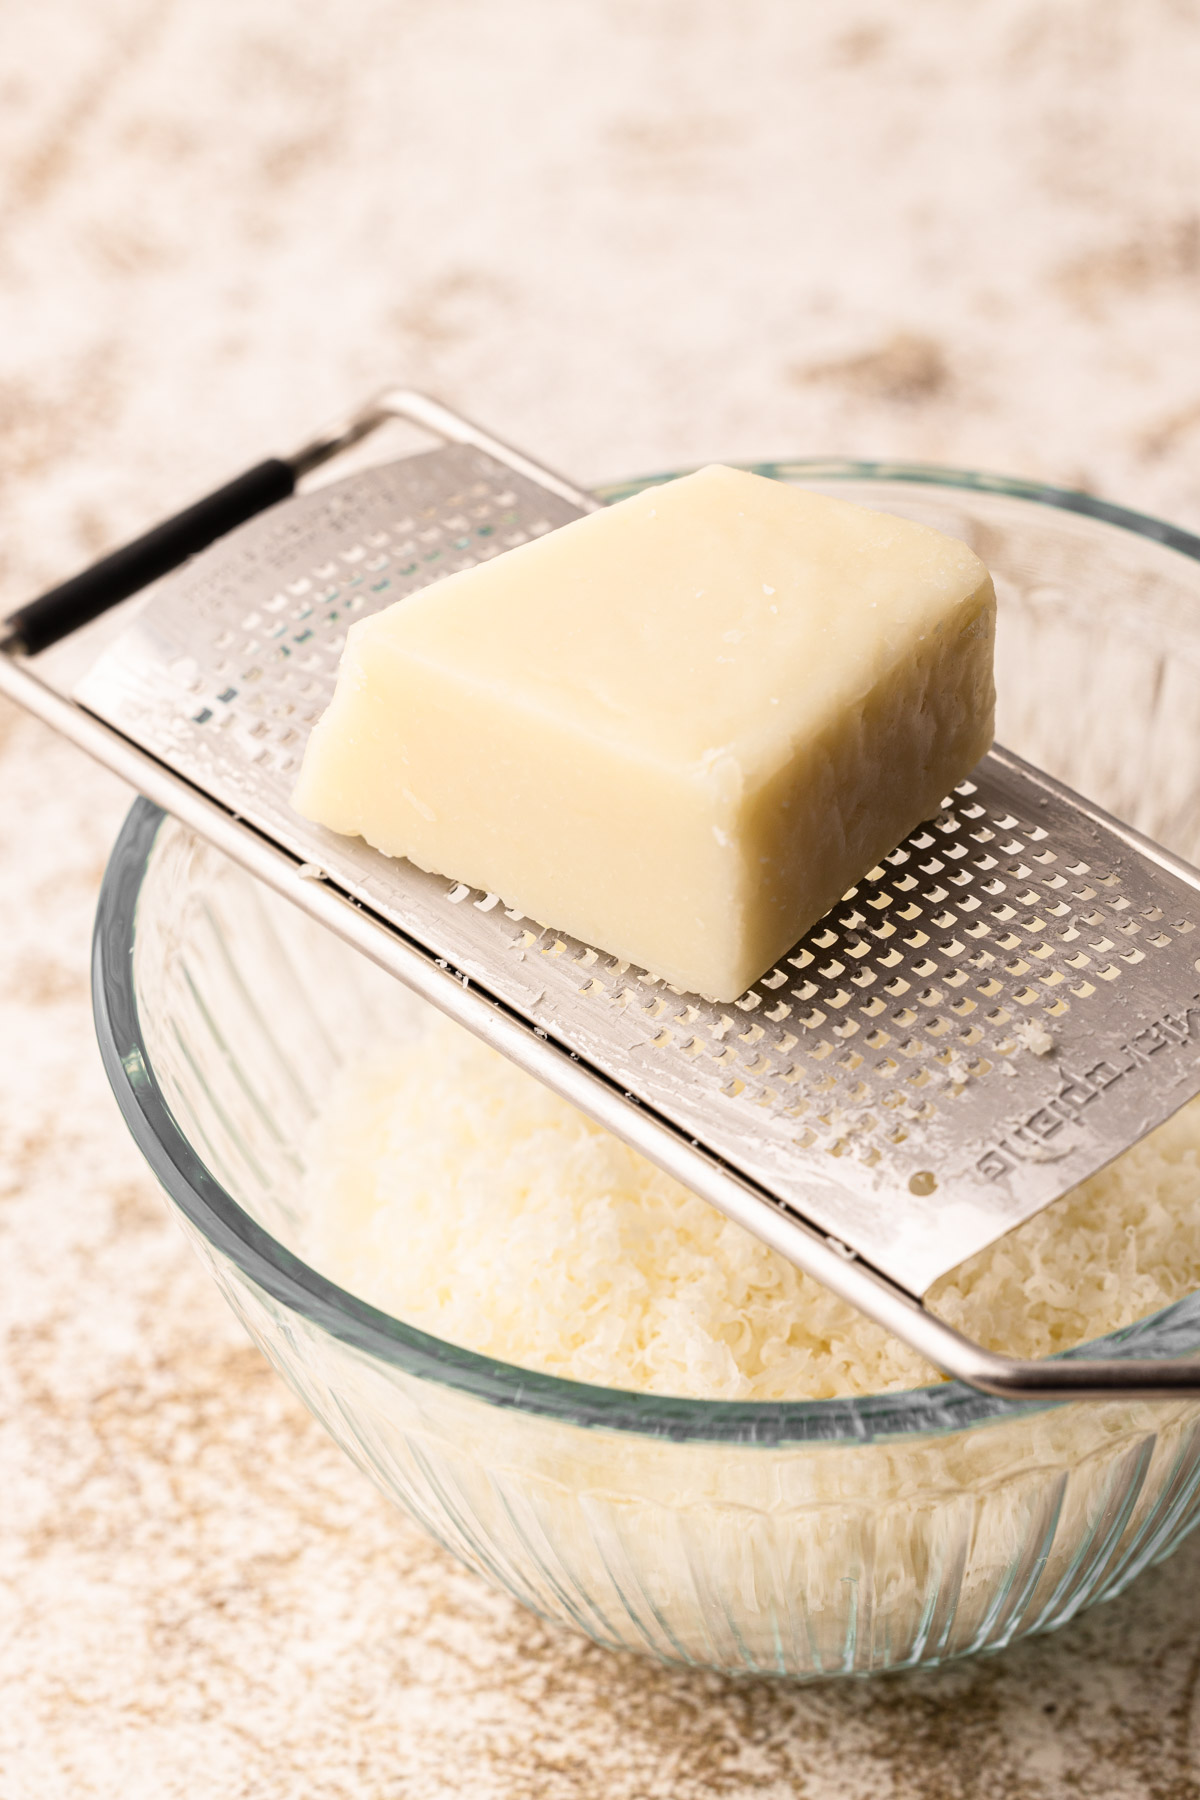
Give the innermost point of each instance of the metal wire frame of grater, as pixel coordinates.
(792, 1088)
(883, 1078)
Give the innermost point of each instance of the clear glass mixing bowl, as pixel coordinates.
(801, 1539)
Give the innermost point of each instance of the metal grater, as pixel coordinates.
(992, 1014)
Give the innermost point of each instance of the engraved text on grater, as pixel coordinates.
(1036, 1137)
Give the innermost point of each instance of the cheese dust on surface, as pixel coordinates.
(455, 1192)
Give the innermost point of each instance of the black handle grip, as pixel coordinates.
(43, 621)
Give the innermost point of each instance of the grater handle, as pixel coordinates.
(115, 577)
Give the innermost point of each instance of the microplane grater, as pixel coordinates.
(1008, 1001)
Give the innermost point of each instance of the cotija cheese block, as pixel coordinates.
(679, 728)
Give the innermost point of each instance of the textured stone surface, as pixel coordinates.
(630, 236)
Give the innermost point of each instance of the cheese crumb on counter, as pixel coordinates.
(454, 1191)
(679, 728)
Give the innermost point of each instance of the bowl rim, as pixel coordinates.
(276, 1272)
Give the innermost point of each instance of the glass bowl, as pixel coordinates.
(800, 1539)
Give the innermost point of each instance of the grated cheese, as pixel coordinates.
(1032, 1036)
(453, 1191)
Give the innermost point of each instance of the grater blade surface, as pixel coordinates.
(883, 1080)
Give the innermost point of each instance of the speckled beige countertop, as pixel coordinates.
(629, 234)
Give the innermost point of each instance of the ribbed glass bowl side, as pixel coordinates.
(802, 1540)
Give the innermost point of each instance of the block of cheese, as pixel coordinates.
(678, 729)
